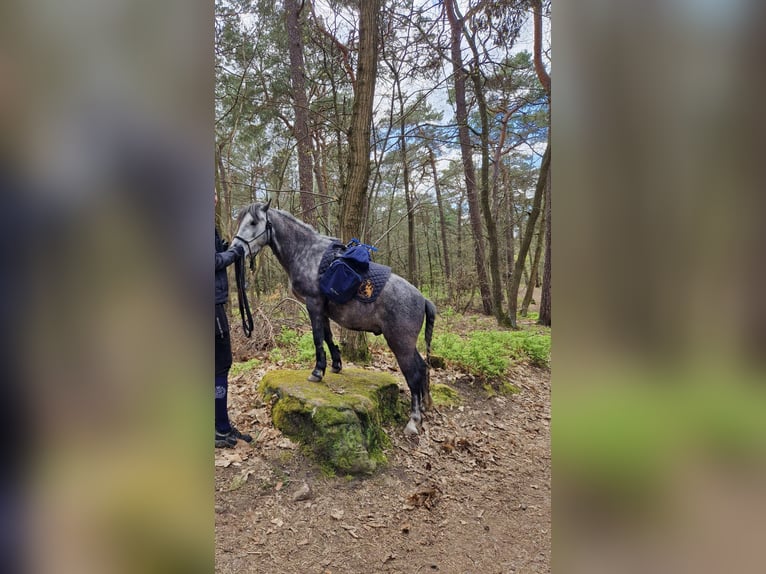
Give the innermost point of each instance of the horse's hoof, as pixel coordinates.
(411, 429)
(336, 370)
(315, 376)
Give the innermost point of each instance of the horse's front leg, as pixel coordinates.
(337, 364)
(318, 318)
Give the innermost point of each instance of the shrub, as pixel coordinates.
(489, 354)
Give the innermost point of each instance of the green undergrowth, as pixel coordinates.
(239, 368)
(489, 354)
(293, 348)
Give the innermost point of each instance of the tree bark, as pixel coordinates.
(301, 106)
(545, 80)
(355, 192)
(466, 153)
(542, 74)
(526, 239)
(509, 236)
(489, 219)
(412, 259)
(545, 299)
(532, 283)
(442, 223)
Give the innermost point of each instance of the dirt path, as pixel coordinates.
(471, 495)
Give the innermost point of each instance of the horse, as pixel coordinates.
(397, 313)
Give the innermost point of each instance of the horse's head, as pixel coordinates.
(254, 230)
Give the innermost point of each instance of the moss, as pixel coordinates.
(437, 362)
(443, 395)
(339, 421)
(508, 389)
(503, 388)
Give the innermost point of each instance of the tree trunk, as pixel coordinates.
(489, 219)
(412, 260)
(353, 200)
(545, 80)
(542, 74)
(442, 224)
(532, 283)
(301, 105)
(529, 231)
(466, 153)
(510, 240)
(321, 178)
(545, 298)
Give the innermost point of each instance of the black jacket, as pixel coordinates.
(223, 258)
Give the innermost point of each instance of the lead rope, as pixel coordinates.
(244, 304)
(239, 275)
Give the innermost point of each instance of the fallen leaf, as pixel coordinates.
(423, 497)
(225, 458)
(239, 481)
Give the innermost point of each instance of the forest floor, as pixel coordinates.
(471, 494)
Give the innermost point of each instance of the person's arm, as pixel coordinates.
(226, 258)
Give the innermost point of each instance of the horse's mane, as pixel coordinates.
(290, 217)
(253, 207)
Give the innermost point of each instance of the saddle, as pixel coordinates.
(343, 276)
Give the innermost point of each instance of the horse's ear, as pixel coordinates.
(266, 207)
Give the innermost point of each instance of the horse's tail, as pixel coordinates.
(430, 318)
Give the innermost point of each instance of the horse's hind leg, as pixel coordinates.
(337, 364)
(414, 370)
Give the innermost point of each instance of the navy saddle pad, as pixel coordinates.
(372, 281)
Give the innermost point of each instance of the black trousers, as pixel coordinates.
(222, 342)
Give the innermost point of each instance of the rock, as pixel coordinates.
(303, 493)
(337, 420)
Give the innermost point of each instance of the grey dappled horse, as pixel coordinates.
(397, 313)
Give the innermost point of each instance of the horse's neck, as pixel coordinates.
(292, 239)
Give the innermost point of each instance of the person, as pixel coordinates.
(226, 435)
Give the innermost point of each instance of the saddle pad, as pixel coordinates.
(373, 280)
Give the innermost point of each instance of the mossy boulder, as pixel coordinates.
(339, 419)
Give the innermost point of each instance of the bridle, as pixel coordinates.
(239, 274)
(267, 230)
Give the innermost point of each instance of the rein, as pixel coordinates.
(239, 274)
(244, 305)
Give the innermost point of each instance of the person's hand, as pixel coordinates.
(239, 250)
